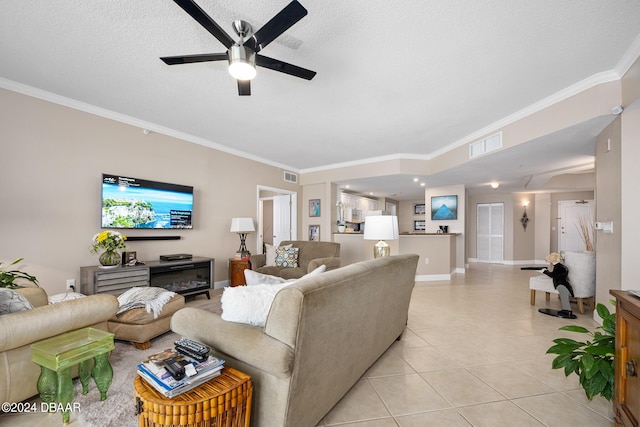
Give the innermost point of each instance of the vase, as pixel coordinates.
(109, 259)
(341, 228)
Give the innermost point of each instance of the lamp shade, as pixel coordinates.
(381, 227)
(242, 225)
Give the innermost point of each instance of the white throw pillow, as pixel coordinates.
(253, 278)
(315, 272)
(249, 304)
(271, 254)
(54, 299)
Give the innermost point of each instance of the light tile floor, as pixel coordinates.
(473, 355)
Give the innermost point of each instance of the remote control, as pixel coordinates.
(193, 349)
(175, 369)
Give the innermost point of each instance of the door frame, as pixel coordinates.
(294, 212)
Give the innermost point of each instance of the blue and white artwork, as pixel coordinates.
(444, 207)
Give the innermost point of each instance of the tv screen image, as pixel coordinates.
(138, 203)
(444, 207)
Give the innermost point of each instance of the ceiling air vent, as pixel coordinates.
(290, 177)
(486, 145)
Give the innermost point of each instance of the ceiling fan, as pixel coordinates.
(243, 55)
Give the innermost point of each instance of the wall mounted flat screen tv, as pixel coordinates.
(444, 207)
(139, 203)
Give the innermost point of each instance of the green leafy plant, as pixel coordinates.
(8, 277)
(592, 360)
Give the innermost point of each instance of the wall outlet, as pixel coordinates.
(71, 284)
(426, 261)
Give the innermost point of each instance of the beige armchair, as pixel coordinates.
(18, 374)
(311, 255)
(582, 276)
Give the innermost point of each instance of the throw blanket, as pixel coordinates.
(149, 297)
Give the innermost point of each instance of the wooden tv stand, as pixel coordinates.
(186, 277)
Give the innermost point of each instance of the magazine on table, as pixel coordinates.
(154, 372)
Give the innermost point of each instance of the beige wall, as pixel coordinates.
(455, 226)
(608, 248)
(629, 197)
(53, 158)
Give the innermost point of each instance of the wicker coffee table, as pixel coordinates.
(222, 401)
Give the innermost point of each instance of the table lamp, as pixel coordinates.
(381, 228)
(242, 226)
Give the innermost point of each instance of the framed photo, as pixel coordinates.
(419, 209)
(314, 207)
(129, 256)
(444, 208)
(420, 225)
(314, 233)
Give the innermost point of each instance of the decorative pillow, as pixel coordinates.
(253, 278)
(65, 297)
(248, 304)
(287, 257)
(271, 254)
(315, 272)
(12, 302)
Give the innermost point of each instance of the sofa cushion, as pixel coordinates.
(249, 304)
(270, 259)
(12, 302)
(287, 257)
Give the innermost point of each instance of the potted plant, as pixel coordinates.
(592, 360)
(8, 277)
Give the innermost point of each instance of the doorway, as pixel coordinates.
(277, 216)
(490, 232)
(570, 214)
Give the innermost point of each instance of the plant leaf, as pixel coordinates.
(561, 361)
(602, 311)
(575, 328)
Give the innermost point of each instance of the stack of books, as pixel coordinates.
(154, 371)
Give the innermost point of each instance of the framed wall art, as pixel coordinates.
(314, 233)
(444, 207)
(314, 207)
(420, 225)
(419, 209)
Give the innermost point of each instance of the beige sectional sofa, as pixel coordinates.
(311, 255)
(18, 374)
(321, 335)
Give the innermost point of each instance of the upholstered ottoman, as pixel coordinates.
(139, 327)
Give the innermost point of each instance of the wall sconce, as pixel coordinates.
(525, 219)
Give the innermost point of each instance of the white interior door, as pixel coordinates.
(569, 214)
(279, 208)
(490, 232)
(281, 219)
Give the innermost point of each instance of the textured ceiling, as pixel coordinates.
(395, 77)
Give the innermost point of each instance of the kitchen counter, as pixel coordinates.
(437, 251)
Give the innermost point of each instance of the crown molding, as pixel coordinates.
(132, 121)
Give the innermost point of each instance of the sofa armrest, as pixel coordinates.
(27, 327)
(331, 262)
(257, 261)
(243, 342)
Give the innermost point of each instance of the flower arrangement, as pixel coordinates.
(109, 241)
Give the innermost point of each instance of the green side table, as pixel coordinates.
(56, 356)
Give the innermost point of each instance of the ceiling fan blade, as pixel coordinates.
(188, 59)
(244, 87)
(205, 20)
(283, 67)
(276, 26)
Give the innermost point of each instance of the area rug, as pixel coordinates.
(119, 408)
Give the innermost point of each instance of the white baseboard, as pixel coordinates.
(432, 277)
(510, 262)
(220, 284)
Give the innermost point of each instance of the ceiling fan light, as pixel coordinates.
(242, 63)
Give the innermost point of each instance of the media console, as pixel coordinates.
(186, 277)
